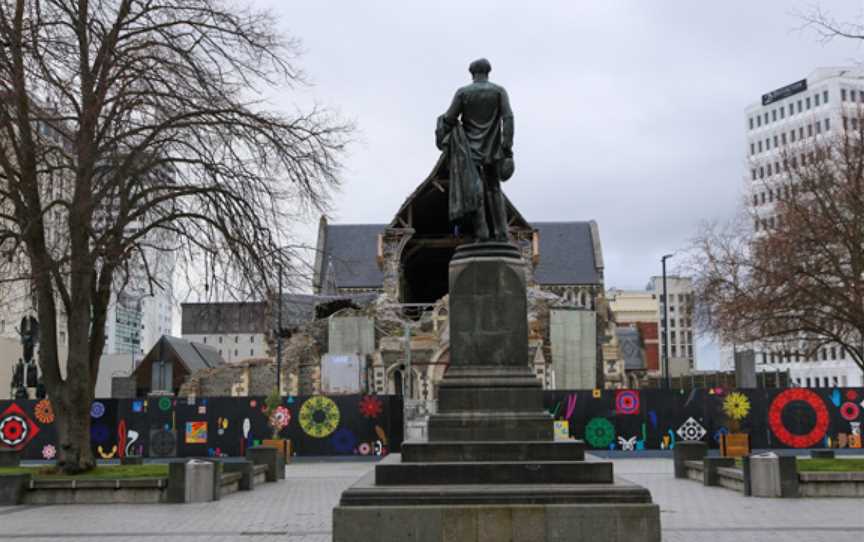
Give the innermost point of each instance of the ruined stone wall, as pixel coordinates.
(394, 240)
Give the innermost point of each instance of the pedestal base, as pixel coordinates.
(619, 512)
(491, 470)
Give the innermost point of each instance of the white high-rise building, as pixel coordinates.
(819, 106)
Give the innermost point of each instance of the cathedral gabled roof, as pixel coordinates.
(569, 254)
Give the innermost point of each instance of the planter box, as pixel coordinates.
(284, 445)
(735, 445)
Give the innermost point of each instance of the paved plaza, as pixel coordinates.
(299, 509)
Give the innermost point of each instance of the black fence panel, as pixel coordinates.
(215, 427)
(656, 419)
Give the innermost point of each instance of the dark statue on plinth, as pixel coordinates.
(476, 131)
(490, 468)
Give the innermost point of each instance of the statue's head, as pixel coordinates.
(480, 69)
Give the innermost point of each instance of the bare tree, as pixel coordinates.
(789, 273)
(131, 128)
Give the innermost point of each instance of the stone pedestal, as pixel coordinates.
(491, 470)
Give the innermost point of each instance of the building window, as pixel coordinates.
(833, 353)
(766, 118)
(818, 127)
(236, 339)
(769, 170)
(220, 340)
(808, 102)
(825, 381)
(753, 172)
(816, 100)
(251, 338)
(205, 340)
(851, 95)
(759, 145)
(775, 141)
(755, 199)
(842, 94)
(827, 124)
(758, 120)
(773, 115)
(767, 143)
(220, 351)
(251, 353)
(801, 133)
(751, 122)
(783, 138)
(792, 136)
(782, 112)
(791, 109)
(235, 352)
(825, 97)
(800, 106)
(752, 148)
(809, 130)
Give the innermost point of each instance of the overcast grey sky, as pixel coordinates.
(630, 113)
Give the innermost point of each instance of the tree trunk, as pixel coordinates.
(72, 420)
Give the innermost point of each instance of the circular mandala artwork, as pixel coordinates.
(600, 432)
(370, 406)
(627, 402)
(49, 451)
(343, 441)
(736, 406)
(850, 412)
(97, 410)
(44, 411)
(280, 418)
(164, 403)
(787, 437)
(16, 427)
(14, 430)
(364, 449)
(319, 416)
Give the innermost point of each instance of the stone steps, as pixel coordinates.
(421, 452)
(392, 471)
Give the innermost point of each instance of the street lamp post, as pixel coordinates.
(667, 380)
(279, 337)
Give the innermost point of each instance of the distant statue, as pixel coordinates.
(29, 337)
(477, 133)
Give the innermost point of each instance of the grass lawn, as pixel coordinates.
(102, 472)
(855, 464)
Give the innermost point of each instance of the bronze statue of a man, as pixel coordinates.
(477, 132)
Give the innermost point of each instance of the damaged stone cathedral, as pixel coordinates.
(382, 307)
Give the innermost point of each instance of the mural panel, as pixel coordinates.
(214, 427)
(655, 419)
